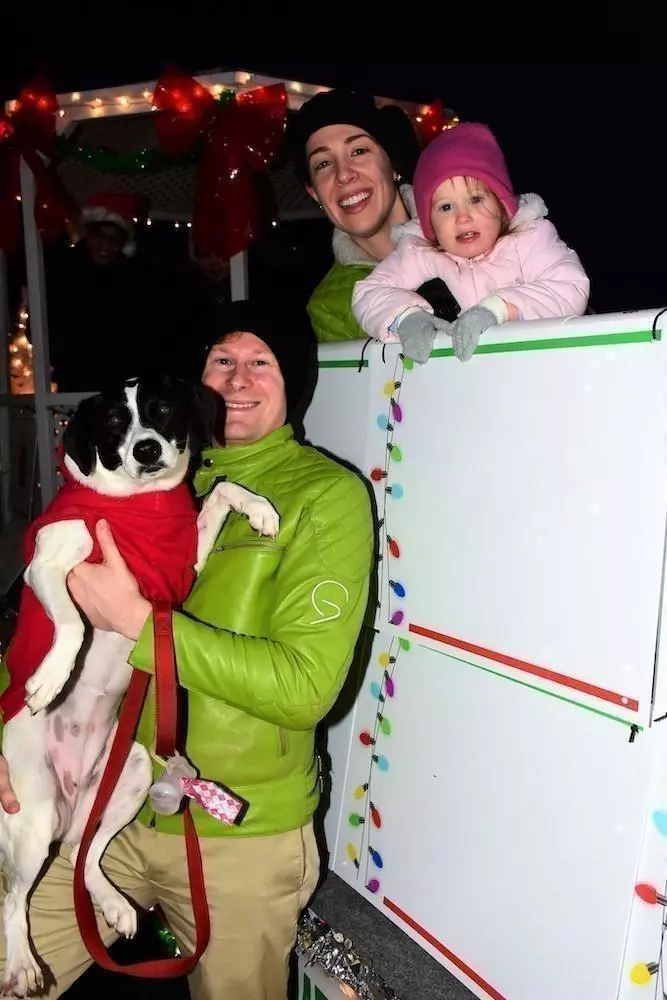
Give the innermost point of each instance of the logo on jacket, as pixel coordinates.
(325, 604)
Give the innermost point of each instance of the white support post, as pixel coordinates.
(5, 455)
(238, 271)
(39, 335)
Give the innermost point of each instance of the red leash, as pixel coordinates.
(166, 697)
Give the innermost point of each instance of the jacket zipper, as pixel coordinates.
(269, 546)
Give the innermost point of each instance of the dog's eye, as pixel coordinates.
(115, 420)
(164, 409)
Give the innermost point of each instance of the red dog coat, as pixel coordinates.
(156, 534)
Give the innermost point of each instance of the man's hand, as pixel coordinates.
(106, 592)
(8, 800)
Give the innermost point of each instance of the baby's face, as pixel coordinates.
(466, 217)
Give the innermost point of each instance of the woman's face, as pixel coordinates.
(352, 178)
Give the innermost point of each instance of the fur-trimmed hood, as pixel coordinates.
(530, 208)
(346, 251)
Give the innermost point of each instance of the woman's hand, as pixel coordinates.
(107, 592)
(8, 800)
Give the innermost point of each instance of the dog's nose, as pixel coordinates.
(148, 451)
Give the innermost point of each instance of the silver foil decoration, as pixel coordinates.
(320, 945)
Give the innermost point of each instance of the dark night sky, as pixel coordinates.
(581, 118)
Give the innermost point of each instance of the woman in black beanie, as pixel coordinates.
(356, 161)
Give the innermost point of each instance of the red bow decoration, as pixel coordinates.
(240, 137)
(28, 131)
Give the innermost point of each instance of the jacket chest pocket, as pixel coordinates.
(250, 545)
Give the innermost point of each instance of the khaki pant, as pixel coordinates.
(256, 888)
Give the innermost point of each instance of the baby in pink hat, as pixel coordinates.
(500, 258)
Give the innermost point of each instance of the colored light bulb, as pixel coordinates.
(385, 725)
(381, 762)
(395, 490)
(394, 550)
(397, 618)
(377, 857)
(360, 791)
(383, 659)
(376, 819)
(373, 885)
(397, 587)
(383, 423)
(408, 363)
(390, 387)
(650, 894)
(396, 453)
(389, 685)
(355, 819)
(660, 820)
(377, 474)
(352, 854)
(396, 411)
(404, 644)
(641, 973)
(366, 739)
(376, 690)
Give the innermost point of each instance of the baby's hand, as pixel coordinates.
(417, 332)
(468, 328)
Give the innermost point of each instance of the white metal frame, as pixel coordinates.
(74, 108)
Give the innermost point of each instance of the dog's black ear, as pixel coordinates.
(78, 439)
(206, 414)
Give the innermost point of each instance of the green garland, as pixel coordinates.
(147, 160)
(105, 161)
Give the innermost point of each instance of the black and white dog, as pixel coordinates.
(125, 457)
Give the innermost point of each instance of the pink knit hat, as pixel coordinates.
(468, 150)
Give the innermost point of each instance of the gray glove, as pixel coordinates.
(467, 329)
(417, 332)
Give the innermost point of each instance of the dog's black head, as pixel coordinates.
(140, 435)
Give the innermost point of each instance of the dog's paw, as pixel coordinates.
(262, 516)
(118, 912)
(41, 689)
(22, 974)
(55, 669)
(44, 686)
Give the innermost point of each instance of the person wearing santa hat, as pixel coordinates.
(108, 220)
(106, 309)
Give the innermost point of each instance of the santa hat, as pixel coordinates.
(469, 150)
(118, 209)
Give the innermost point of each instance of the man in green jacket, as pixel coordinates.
(263, 645)
(354, 159)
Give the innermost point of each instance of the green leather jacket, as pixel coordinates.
(330, 305)
(266, 637)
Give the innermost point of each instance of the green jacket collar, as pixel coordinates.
(236, 462)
